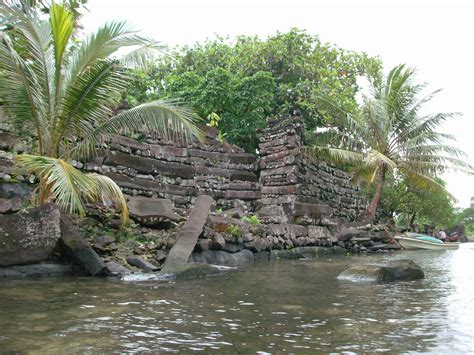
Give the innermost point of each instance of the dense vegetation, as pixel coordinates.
(249, 79)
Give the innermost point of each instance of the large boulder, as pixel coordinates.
(192, 270)
(75, 248)
(151, 212)
(35, 270)
(29, 236)
(393, 270)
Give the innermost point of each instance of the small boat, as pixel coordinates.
(414, 241)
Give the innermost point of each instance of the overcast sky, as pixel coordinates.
(436, 37)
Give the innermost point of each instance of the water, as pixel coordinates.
(282, 307)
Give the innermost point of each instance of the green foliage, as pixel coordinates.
(246, 80)
(412, 205)
(233, 230)
(252, 220)
(466, 217)
(64, 94)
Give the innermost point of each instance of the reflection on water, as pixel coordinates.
(282, 307)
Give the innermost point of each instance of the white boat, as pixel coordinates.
(412, 243)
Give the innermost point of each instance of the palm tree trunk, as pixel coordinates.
(370, 214)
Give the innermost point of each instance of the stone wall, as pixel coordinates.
(180, 172)
(281, 185)
(297, 190)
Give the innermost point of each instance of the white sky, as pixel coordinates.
(436, 37)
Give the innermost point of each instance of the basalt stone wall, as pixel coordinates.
(280, 185)
(297, 190)
(320, 182)
(180, 172)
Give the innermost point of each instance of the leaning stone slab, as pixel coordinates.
(189, 234)
(75, 248)
(30, 236)
(393, 270)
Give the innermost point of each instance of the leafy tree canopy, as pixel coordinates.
(248, 79)
(413, 205)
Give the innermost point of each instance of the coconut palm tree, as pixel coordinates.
(65, 92)
(389, 135)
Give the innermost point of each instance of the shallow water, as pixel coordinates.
(279, 307)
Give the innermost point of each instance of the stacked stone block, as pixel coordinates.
(180, 171)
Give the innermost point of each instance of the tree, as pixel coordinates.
(388, 135)
(412, 205)
(246, 80)
(65, 94)
(466, 217)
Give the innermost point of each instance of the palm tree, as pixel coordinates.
(389, 135)
(64, 92)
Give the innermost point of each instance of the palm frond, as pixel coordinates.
(335, 155)
(88, 101)
(107, 40)
(107, 189)
(67, 185)
(164, 117)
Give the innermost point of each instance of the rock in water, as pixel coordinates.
(393, 270)
(75, 247)
(141, 263)
(30, 236)
(115, 269)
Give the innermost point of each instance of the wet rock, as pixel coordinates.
(233, 247)
(220, 257)
(392, 270)
(36, 270)
(74, 247)
(193, 270)
(29, 236)
(141, 263)
(116, 269)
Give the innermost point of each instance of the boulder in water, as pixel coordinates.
(393, 270)
(29, 236)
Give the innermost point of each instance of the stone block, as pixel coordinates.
(317, 232)
(30, 236)
(151, 211)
